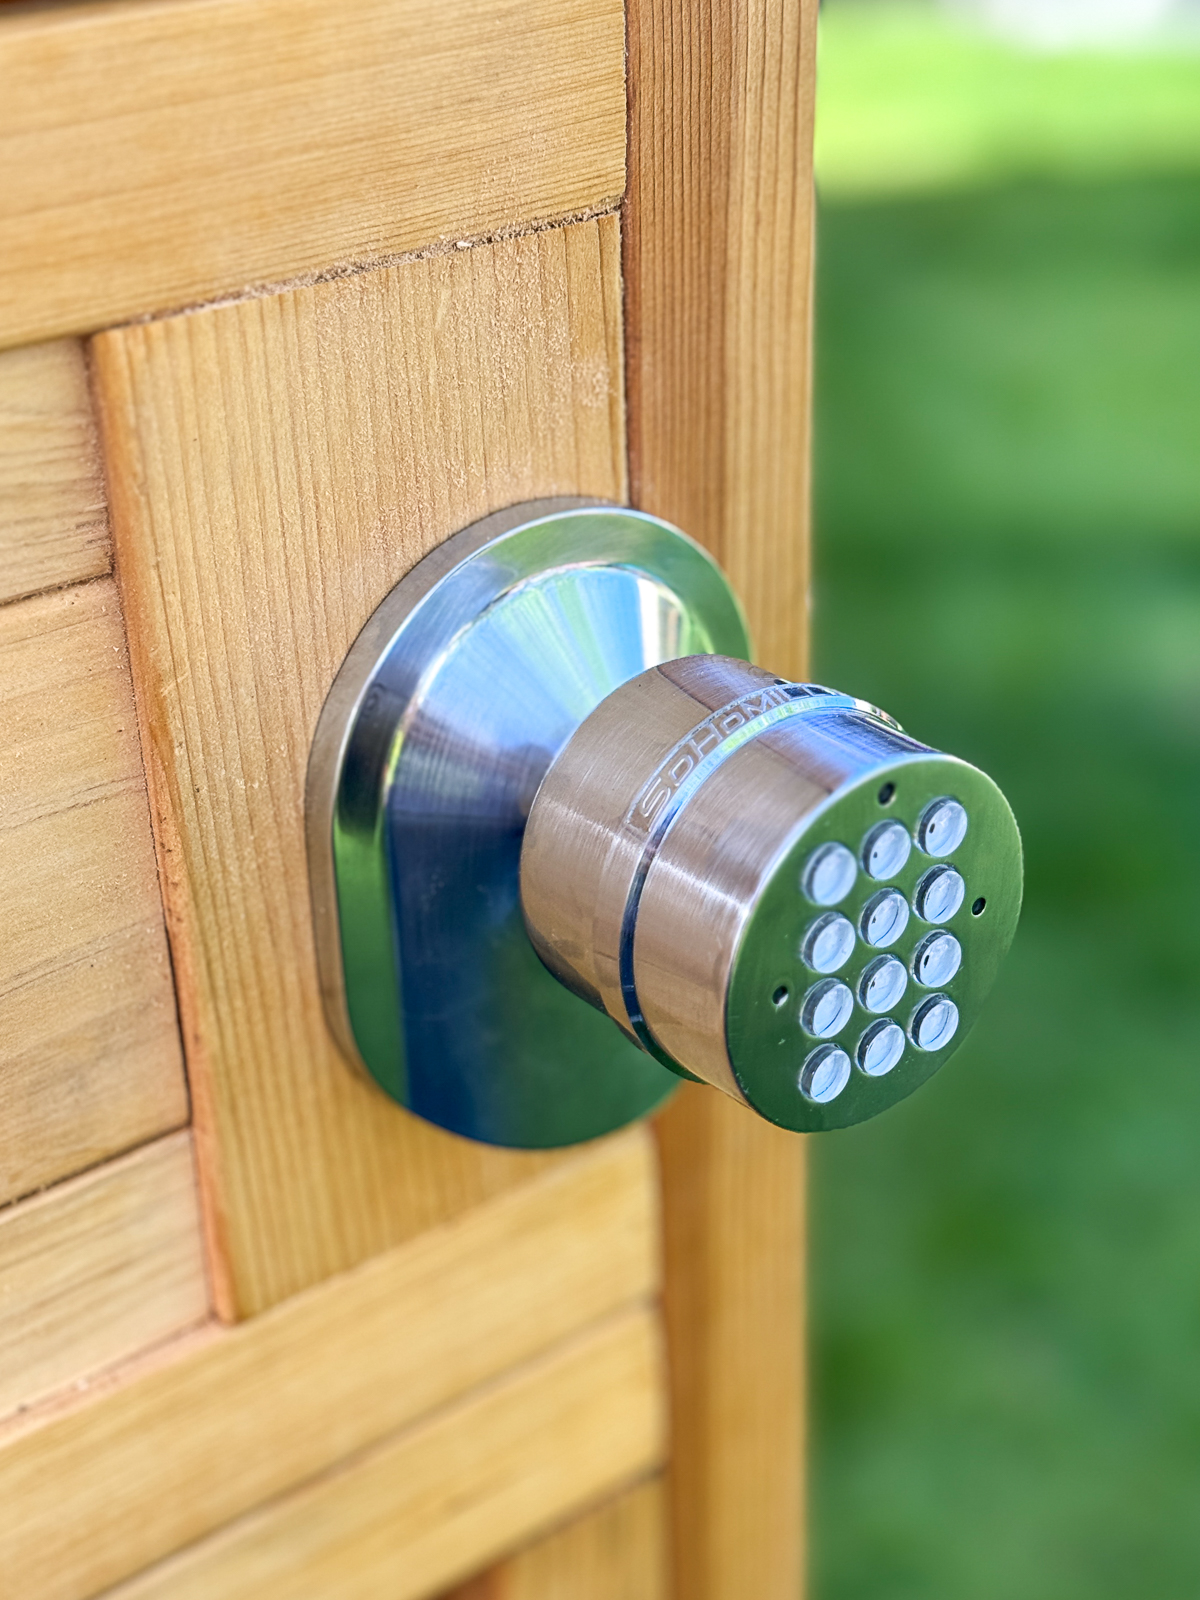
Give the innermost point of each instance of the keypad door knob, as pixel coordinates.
(771, 887)
(566, 845)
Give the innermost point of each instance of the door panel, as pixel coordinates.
(276, 466)
(443, 1356)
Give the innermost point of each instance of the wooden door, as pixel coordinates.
(290, 292)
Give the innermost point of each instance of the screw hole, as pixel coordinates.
(977, 908)
(887, 794)
(780, 995)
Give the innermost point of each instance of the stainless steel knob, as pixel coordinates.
(772, 887)
(545, 774)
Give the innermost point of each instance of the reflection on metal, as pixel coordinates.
(544, 744)
(454, 700)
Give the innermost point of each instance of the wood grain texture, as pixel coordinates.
(276, 466)
(158, 153)
(617, 1552)
(733, 1218)
(718, 272)
(53, 517)
(98, 1269)
(92, 1061)
(174, 1450)
(718, 281)
(399, 1521)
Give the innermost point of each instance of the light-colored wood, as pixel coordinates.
(718, 282)
(158, 153)
(53, 519)
(275, 467)
(617, 1552)
(91, 1057)
(733, 1203)
(718, 271)
(172, 1452)
(98, 1269)
(398, 1522)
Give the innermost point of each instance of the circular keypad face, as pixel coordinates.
(929, 839)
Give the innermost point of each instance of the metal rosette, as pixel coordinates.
(460, 692)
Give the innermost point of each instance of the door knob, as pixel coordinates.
(546, 775)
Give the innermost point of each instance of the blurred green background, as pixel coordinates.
(1006, 1269)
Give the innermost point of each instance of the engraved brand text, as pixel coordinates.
(706, 737)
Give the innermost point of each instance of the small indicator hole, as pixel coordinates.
(978, 908)
(887, 794)
(780, 995)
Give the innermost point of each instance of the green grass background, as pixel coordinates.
(1006, 1268)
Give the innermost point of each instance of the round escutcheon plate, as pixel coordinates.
(458, 694)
